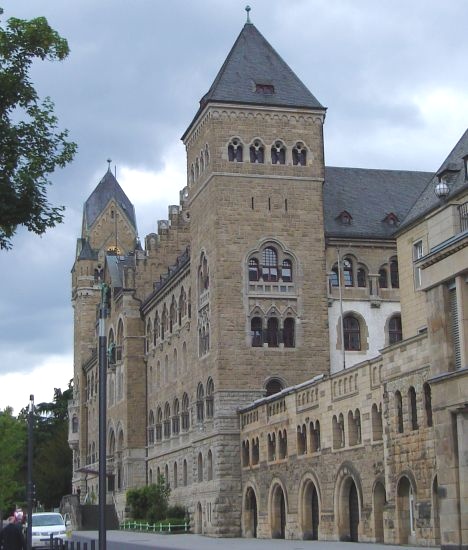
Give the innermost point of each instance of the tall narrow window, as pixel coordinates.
(394, 276)
(334, 281)
(200, 467)
(254, 271)
(272, 332)
(270, 264)
(299, 154)
(257, 152)
(185, 413)
(399, 412)
(348, 272)
(210, 398)
(256, 331)
(278, 153)
(455, 327)
(361, 277)
(394, 330)
(418, 253)
(412, 405)
(352, 333)
(235, 151)
(288, 332)
(286, 271)
(383, 278)
(200, 403)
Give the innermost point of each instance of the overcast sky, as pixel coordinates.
(392, 73)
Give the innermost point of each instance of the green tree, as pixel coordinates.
(31, 146)
(150, 503)
(12, 459)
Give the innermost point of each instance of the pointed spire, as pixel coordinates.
(247, 9)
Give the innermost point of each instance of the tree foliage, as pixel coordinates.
(12, 459)
(150, 503)
(31, 146)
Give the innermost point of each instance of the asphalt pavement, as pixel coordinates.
(129, 540)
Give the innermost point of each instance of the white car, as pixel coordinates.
(45, 524)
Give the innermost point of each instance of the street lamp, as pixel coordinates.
(30, 485)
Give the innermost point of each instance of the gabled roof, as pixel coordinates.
(255, 74)
(453, 166)
(368, 195)
(108, 188)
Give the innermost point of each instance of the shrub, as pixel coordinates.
(149, 503)
(176, 512)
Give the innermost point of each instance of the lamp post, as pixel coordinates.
(105, 295)
(30, 485)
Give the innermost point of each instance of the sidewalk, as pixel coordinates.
(129, 540)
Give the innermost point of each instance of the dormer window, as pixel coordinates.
(344, 218)
(266, 89)
(391, 219)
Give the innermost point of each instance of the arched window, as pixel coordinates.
(273, 386)
(352, 333)
(257, 152)
(288, 332)
(282, 444)
(399, 411)
(166, 475)
(148, 335)
(159, 419)
(173, 314)
(348, 272)
(185, 473)
(210, 465)
(182, 305)
(394, 276)
(272, 332)
(377, 429)
(157, 329)
(175, 417)
(254, 271)
(270, 264)
(383, 278)
(175, 475)
(75, 424)
(200, 403)
(235, 152)
(272, 446)
(412, 406)
(299, 154)
(200, 467)
(334, 281)
(361, 277)
(286, 271)
(167, 420)
(163, 322)
(278, 153)
(209, 398)
(428, 404)
(207, 155)
(185, 412)
(394, 330)
(256, 331)
(151, 428)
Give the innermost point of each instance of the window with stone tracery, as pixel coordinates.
(257, 152)
(278, 153)
(299, 154)
(235, 150)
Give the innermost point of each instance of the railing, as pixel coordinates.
(154, 527)
(463, 213)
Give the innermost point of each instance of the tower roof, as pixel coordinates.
(107, 189)
(254, 73)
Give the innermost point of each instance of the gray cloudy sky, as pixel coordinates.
(393, 74)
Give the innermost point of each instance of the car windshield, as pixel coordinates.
(47, 519)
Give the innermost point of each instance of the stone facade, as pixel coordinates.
(292, 367)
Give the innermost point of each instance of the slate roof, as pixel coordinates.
(87, 253)
(108, 188)
(368, 195)
(252, 60)
(457, 181)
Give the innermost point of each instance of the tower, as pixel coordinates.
(255, 169)
(108, 228)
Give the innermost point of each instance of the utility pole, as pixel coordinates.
(105, 301)
(30, 484)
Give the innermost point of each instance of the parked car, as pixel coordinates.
(45, 524)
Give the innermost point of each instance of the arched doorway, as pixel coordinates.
(353, 513)
(311, 512)
(199, 519)
(405, 510)
(278, 514)
(250, 514)
(380, 499)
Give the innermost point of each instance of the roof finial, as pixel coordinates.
(247, 9)
(109, 162)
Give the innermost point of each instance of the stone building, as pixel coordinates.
(289, 349)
